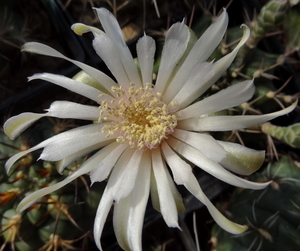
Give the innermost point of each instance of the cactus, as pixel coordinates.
(272, 215)
(270, 16)
(254, 61)
(289, 135)
(47, 224)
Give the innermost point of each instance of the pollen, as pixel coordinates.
(137, 116)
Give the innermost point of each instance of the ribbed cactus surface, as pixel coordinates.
(272, 214)
(60, 221)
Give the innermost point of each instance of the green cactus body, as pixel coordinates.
(290, 134)
(291, 29)
(45, 225)
(272, 214)
(270, 16)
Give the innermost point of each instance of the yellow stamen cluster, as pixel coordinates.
(138, 115)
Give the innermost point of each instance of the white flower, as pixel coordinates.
(143, 128)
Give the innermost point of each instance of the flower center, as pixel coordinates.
(138, 115)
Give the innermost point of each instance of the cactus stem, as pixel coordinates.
(11, 231)
(9, 195)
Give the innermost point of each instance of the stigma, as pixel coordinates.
(137, 116)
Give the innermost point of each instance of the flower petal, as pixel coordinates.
(199, 76)
(86, 79)
(103, 80)
(176, 195)
(80, 28)
(129, 211)
(103, 168)
(145, 49)
(114, 32)
(70, 142)
(208, 42)
(139, 199)
(70, 84)
(66, 109)
(122, 179)
(230, 97)
(106, 50)
(15, 125)
(220, 219)
(202, 142)
(54, 141)
(211, 167)
(61, 164)
(166, 199)
(180, 169)
(222, 64)
(120, 222)
(176, 42)
(202, 49)
(228, 123)
(154, 193)
(19, 155)
(102, 155)
(214, 74)
(241, 160)
(191, 183)
(101, 215)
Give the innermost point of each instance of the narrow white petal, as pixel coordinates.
(228, 123)
(113, 30)
(207, 43)
(101, 215)
(33, 197)
(86, 79)
(154, 192)
(194, 85)
(123, 177)
(103, 167)
(97, 75)
(176, 195)
(198, 54)
(176, 42)
(70, 84)
(240, 159)
(139, 199)
(224, 99)
(222, 64)
(220, 219)
(180, 169)
(65, 144)
(212, 167)
(83, 169)
(110, 25)
(119, 169)
(61, 164)
(19, 155)
(129, 211)
(219, 68)
(106, 49)
(120, 222)
(145, 49)
(166, 200)
(202, 142)
(55, 140)
(67, 109)
(15, 125)
(80, 29)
